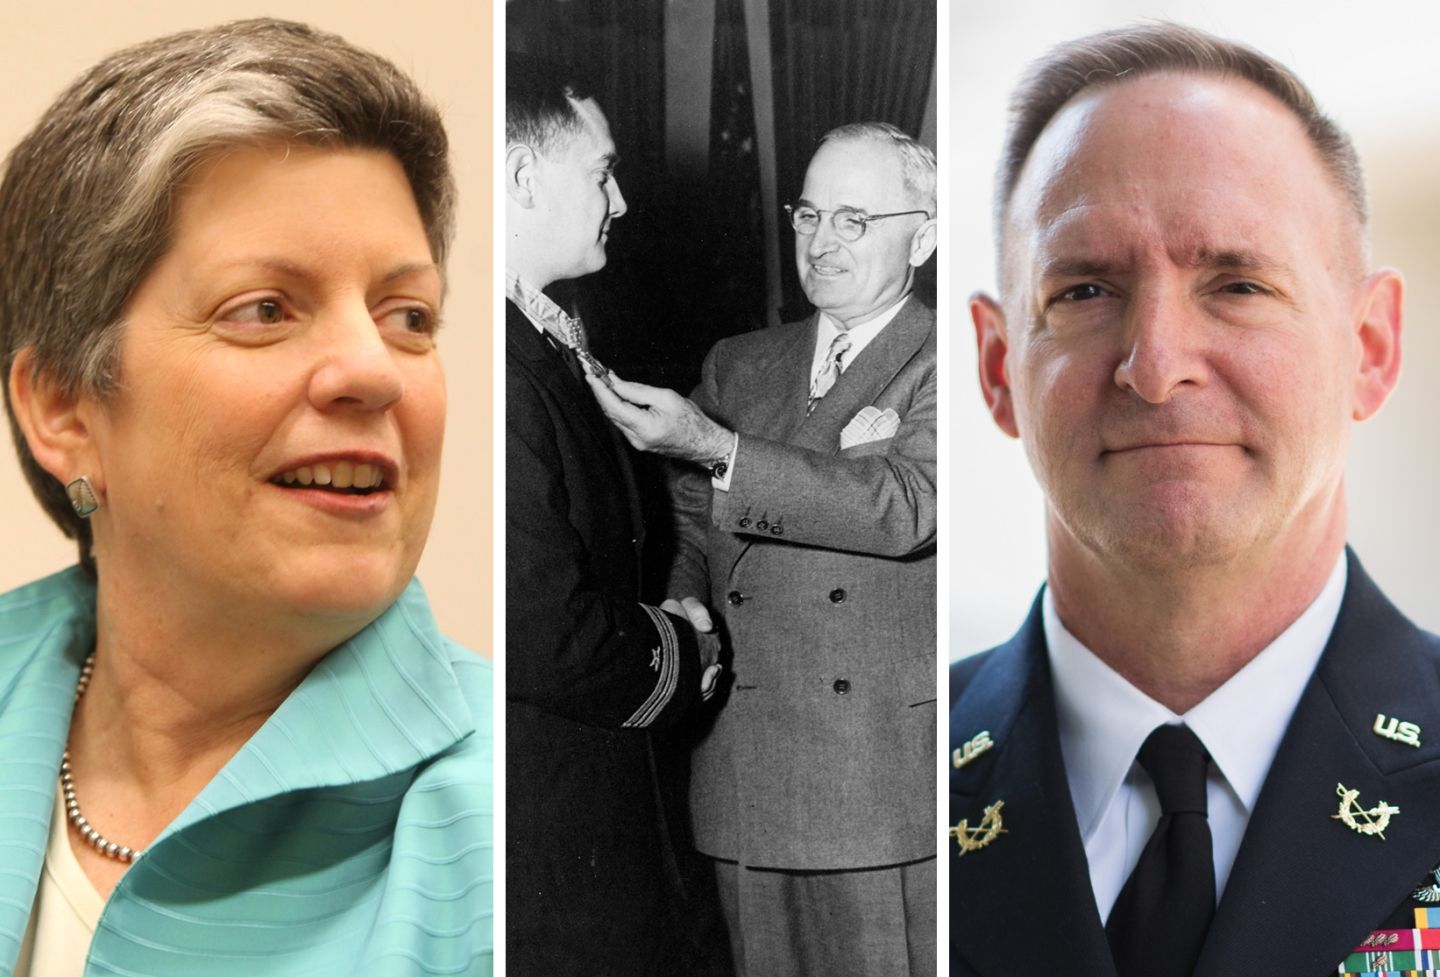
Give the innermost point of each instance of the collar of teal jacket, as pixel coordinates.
(383, 704)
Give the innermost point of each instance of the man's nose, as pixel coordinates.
(357, 368)
(617, 199)
(1163, 351)
(825, 239)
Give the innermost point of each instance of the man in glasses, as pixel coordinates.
(807, 512)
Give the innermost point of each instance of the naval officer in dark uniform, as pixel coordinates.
(590, 670)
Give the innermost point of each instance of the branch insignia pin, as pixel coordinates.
(1371, 822)
(991, 826)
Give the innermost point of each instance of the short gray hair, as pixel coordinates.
(1129, 52)
(86, 198)
(917, 161)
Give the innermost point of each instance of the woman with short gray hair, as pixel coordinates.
(234, 740)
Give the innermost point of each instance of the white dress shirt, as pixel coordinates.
(1103, 721)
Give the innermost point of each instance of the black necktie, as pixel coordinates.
(1161, 917)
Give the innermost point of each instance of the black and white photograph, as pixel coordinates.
(720, 487)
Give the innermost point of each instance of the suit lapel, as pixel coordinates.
(1303, 879)
(1037, 870)
(862, 382)
(778, 393)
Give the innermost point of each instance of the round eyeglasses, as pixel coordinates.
(849, 224)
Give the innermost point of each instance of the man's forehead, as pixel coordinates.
(863, 173)
(1194, 153)
(593, 143)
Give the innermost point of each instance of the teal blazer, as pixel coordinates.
(350, 836)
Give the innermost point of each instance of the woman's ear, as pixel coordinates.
(56, 424)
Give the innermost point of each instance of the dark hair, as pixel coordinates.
(539, 103)
(1124, 54)
(85, 203)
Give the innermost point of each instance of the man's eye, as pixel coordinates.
(1244, 288)
(1079, 293)
(850, 222)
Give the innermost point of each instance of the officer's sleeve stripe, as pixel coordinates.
(668, 666)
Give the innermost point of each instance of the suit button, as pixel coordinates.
(735, 598)
(776, 530)
(762, 525)
(745, 522)
(841, 686)
(837, 596)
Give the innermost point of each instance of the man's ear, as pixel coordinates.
(922, 243)
(993, 348)
(520, 164)
(56, 425)
(1377, 327)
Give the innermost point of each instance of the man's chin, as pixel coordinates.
(1179, 535)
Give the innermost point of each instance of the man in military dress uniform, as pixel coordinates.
(589, 668)
(1212, 748)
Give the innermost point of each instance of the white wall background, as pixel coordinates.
(1373, 67)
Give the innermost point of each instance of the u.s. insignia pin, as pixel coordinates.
(969, 750)
(1367, 822)
(1395, 729)
(991, 826)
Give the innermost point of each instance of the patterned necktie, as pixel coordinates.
(830, 371)
(1161, 917)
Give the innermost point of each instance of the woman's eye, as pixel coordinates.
(413, 319)
(264, 312)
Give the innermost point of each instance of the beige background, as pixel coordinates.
(1372, 67)
(446, 46)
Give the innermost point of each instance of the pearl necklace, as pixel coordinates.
(67, 785)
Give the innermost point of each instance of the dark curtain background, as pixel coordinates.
(839, 61)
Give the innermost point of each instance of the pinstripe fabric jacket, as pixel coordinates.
(821, 559)
(350, 835)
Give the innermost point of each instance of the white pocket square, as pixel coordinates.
(871, 424)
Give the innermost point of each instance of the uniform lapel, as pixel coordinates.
(525, 342)
(1304, 881)
(862, 382)
(1033, 880)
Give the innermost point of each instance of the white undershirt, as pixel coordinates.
(66, 912)
(1103, 721)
